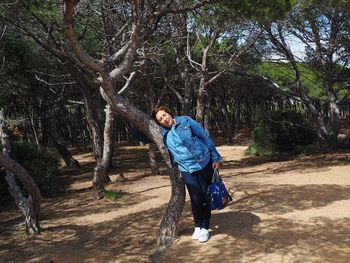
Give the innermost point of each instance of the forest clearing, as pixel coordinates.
(294, 210)
(116, 118)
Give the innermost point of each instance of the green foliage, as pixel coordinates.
(280, 131)
(21, 55)
(112, 195)
(257, 147)
(283, 75)
(47, 10)
(316, 148)
(41, 164)
(261, 10)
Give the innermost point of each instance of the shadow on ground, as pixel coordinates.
(271, 223)
(240, 234)
(129, 238)
(288, 163)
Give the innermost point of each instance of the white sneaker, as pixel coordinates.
(196, 232)
(203, 235)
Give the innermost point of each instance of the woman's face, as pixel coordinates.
(165, 119)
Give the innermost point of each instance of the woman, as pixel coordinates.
(193, 153)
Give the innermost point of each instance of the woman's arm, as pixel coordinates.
(198, 131)
(173, 163)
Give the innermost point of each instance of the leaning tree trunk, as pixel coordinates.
(119, 104)
(321, 131)
(282, 46)
(168, 226)
(140, 120)
(152, 147)
(65, 154)
(152, 159)
(30, 207)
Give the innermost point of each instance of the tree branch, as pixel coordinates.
(127, 84)
(94, 64)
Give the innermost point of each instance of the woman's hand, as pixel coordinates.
(216, 165)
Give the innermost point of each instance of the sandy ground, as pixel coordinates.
(294, 210)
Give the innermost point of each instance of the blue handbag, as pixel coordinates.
(218, 196)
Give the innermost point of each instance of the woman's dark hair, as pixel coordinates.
(157, 109)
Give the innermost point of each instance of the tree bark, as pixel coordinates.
(282, 47)
(102, 144)
(167, 232)
(222, 106)
(139, 119)
(30, 207)
(200, 106)
(152, 159)
(152, 146)
(65, 154)
(180, 20)
(101, 176)
(168, 225)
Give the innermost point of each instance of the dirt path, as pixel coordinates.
(286, 211)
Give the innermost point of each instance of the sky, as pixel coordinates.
(297, 47)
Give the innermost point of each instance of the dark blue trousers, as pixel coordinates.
(197, 184)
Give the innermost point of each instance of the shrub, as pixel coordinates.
(112, 195)
(41, 164)
(280, 131)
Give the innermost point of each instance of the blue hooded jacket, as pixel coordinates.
(195, 149)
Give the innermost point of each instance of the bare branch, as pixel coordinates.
(3, 32)
(127, 84)
(233, 59)
(120, 31)
(76, 102)
(8, 4)
(97, 12)
(116, 56)
(188, 51)
(178, 95)
(54, 84)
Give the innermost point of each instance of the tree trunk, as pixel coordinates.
(33, 127)
(140, 120)
(152, 146)
(137, 118)
(334, 115)
(207, 112)
(181, 35)
(29, 207)
(32, 209)
(168, 225)
(201, 102)
(65, 154)
(282, 46)
(152, 159)
(221, 105)
(101, 176)
(90, 108)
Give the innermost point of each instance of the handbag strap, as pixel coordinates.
(215, 176)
